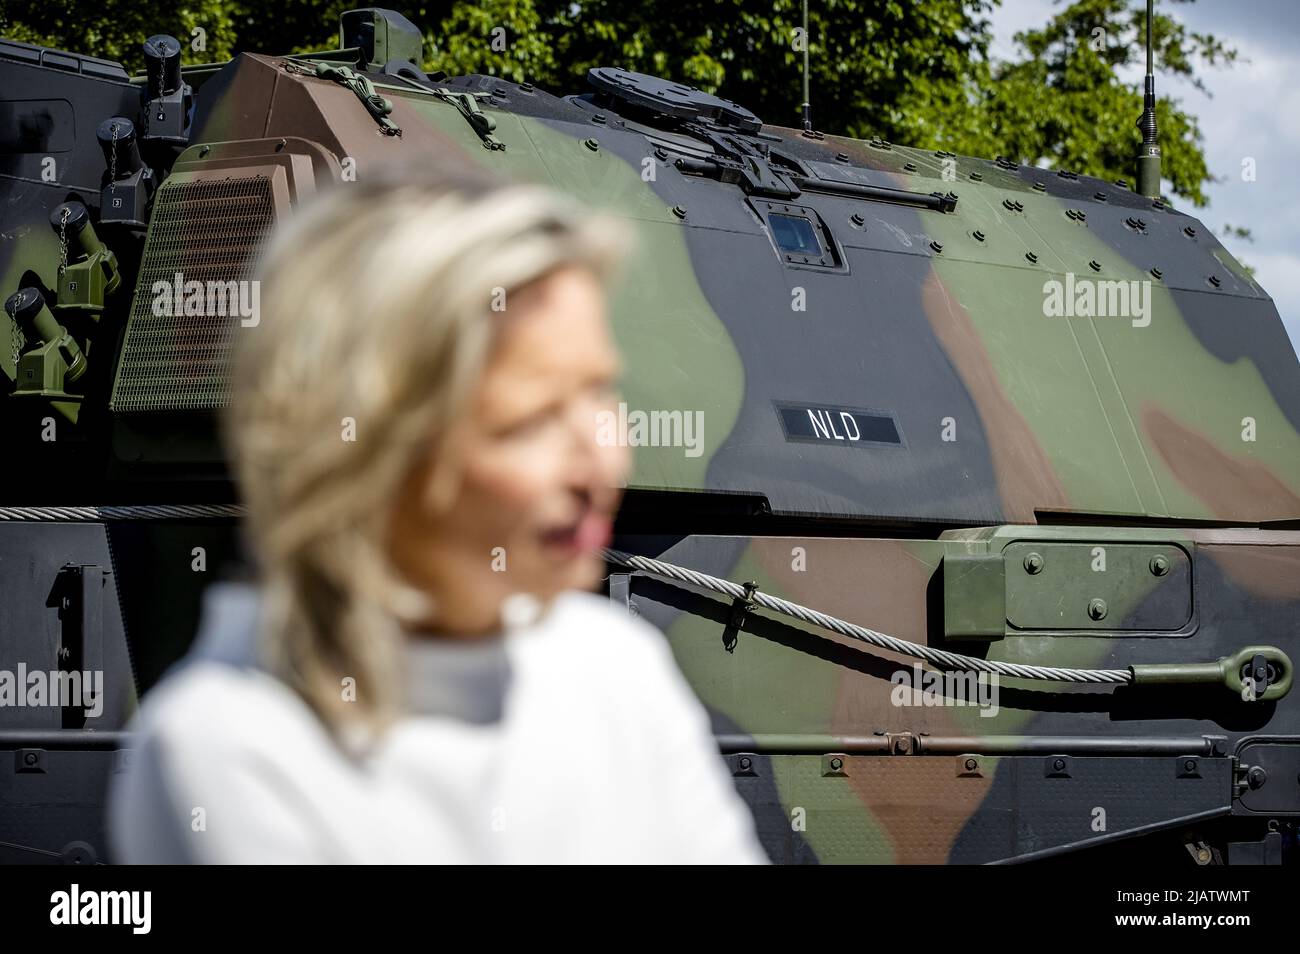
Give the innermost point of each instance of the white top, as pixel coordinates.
(572, 739)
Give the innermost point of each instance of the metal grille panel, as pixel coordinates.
(207, 230)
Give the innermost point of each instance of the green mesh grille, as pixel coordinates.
(207, 230)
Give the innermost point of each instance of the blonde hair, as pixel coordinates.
(376, 312)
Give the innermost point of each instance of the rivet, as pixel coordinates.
(203, 151)
(1099, 196)
(1122, 183)
(1097, 609)
(679, 211)
(841, 157)
(526, 87)
(977, 235)
(599, 118)
(1040, 187)
(1159, 564)
(937, 246)
(909, 166)
(1157, 273)
(661, 154)
(976, 177)
(1189, 231)
(1032, 258)
(857, 219)
(1095, 265)
(591, 144)
(1215, 281)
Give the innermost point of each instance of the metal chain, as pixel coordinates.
(893, 644)
(17, 340)
(112, 158)
(63, 239)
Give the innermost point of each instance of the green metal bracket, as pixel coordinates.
(92, 274)
(974, 596)
(44, 369)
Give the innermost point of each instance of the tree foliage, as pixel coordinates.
(912, 71)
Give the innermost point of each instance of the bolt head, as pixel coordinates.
(1097, 609)
(837, 764)
(1159, 564)
(1034, 563)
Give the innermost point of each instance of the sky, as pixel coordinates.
(1253, 111)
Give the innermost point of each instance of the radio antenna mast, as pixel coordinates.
(1148, 160)
(807, 105)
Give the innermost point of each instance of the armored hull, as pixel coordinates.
(1018, 415)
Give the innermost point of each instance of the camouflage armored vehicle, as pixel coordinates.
(966, 492)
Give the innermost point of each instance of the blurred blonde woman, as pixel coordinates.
(421, 673)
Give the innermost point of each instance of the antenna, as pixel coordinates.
(1148, 159)
(807, 106)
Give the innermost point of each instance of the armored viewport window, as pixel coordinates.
(795, 234)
